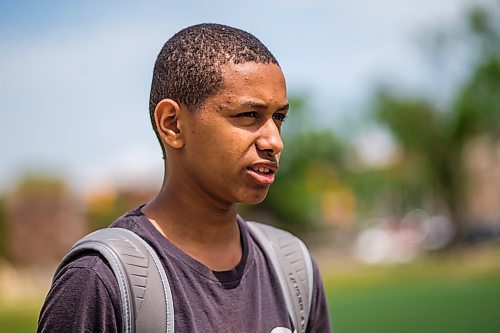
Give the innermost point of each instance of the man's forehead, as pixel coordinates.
(251, 75)
(250, 86)
(248, 70)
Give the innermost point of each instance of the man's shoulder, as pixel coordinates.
(86, 285)
(89, 264)
(129, 220)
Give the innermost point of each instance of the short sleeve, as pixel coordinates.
(319, 319)
(84, 297)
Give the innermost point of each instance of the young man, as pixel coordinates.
(218, 101)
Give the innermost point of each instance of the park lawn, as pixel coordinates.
(19, 316)
(432, 296)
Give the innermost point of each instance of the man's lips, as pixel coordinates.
(263, 172)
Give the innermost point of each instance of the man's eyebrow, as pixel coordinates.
(284, 107)
(259, 105)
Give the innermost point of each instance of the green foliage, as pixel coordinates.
(484, 30)
(413, 121)
(478, 21)
(478, 105)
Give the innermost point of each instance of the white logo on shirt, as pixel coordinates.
(281, 330)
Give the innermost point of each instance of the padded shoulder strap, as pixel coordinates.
(146, 297)
(292, 264)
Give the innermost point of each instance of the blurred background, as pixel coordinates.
(391, 169)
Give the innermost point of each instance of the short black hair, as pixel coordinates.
(188, 68)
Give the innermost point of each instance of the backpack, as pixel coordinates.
(141, 275)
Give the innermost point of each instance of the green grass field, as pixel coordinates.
(19, 316)
(450, 294)
(434, 295)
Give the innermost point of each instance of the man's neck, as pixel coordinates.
(206, 231)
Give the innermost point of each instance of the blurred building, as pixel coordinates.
(43, 220)
(482, 158)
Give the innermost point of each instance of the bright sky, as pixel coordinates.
(75, 75)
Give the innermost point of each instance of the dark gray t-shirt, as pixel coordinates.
(84, 296)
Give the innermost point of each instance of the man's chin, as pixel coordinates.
(254, 199)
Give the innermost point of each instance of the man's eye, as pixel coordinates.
(279, 116)
(247, 114)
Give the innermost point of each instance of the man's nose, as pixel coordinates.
(269, 139)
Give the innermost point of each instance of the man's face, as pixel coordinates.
(233, 143)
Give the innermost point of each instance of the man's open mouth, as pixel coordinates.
(263, 173)
(262, 170)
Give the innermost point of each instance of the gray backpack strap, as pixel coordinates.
(292, 264)
(146, 297)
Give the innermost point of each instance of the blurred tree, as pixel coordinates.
(34, 184)
(433, 140)
(431, 169)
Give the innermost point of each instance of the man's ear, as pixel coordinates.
(166, 117)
